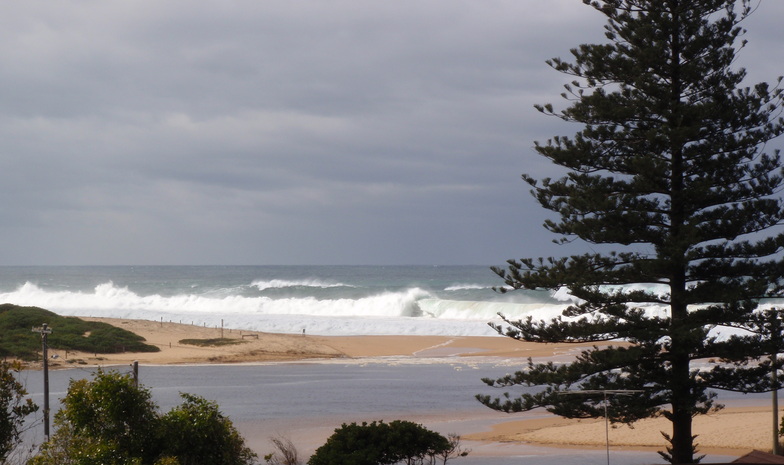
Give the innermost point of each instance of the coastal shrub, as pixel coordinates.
(68, 448)
(68, 333)
(380, 443)
(109, 420)
(214, 342)
(112, 410)
(197, 433)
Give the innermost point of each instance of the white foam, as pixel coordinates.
(284, 283)
(466, 287)
(411, 311)
(384, 313)
(465, 310)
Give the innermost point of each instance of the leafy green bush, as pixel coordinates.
(110, 421)
(15, 406)
(380, 443)
(68, 333)
(197, 433)
(111, 409)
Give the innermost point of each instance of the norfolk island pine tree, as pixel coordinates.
(671, 172)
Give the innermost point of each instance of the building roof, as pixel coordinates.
(759, 457)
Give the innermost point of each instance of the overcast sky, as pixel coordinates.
(286, 132)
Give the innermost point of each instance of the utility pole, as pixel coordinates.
(775, 407)
(44, 330)
(135, 366)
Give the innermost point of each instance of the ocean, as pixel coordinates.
(323, 300)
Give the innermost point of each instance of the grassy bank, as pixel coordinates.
(17, 340)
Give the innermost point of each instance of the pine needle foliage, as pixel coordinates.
(671, 171)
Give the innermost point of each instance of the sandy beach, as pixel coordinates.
(735, 430)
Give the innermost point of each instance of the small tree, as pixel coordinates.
(670, 177)
(454, 450)
(16, 407)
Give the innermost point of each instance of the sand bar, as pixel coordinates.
(732, 431)
(253, 346)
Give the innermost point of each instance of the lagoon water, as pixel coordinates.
(307, 401)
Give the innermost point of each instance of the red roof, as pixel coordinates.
(760, 457)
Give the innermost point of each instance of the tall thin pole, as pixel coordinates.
(604, 392)
(775, 408)
(606, 428)
(44, 330)
(135, 366)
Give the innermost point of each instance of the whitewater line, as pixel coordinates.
(437, 346)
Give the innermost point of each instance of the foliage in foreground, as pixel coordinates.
(15, 407)
(68, 333)
(285, 453)
(197, 433)
(670, 186)
(110, 421)
(380, 443)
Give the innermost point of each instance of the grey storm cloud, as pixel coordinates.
(234, 132)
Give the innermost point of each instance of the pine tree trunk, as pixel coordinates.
(682, 437)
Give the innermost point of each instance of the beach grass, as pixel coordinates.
(17, 339)
(211, 342)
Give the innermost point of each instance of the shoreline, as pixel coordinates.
(734, 431)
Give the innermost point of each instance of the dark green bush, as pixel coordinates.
(380, 443)
(109, 420)
(68, 333)
(215, 342)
